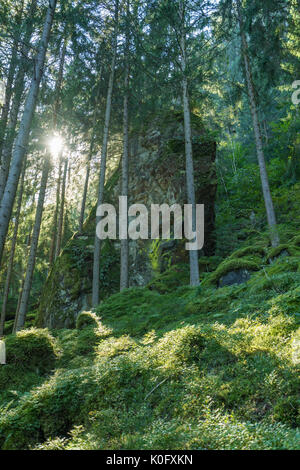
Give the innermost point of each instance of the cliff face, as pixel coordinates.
(157, 176)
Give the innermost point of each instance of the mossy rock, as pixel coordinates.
(231, 265)
(30, 356)
(68, 288)
(284, 249)
(296, 241)
(87, 319)
(32, 349)
(157, 176)
(255, 250)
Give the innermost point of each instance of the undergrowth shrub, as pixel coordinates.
(87, 319)
(30, 355)
(32, 349)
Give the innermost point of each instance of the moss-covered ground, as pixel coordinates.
(165, 367)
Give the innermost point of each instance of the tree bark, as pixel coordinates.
(190, 185)
(271, 217)
(22, 277)
(55, 218)
(10, 78)
(12, 252)
(33, 248)
(124, 280)
(23, 134)
(62, 211)
(16, 101)
(97, 245)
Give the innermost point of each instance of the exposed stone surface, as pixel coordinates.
(234, 277)
(157, 176)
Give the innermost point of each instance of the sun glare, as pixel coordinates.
(56, 145)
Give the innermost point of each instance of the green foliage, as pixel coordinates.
(233, 265)
(254, 250)
(277, 251)
(213, 369)
(139, 310)
(31, 349)
(174, 277)
(87, 319)
(31, 354)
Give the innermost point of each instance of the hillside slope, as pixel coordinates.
(166, 367)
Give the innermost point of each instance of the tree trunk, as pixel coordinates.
(22, 278)
(258, 137)
(10, 78)
(88, 163)
(23, 134)
(12, 252)
(61, 212)
(124, 281)
(17, 98)
(97, 247)
(33, 248)
(56, 109)
(190, 185)
(58, 83)
(55, 218)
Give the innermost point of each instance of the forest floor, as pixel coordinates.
(166, 367)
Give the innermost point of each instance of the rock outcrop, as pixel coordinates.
(157, 176)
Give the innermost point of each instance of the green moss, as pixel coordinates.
(113, 347)
(139, 310)
(277, 251)
(287, 302)
(209, 263)
(87, 319)
(284, 265)
(170, 280)
(30, 355)
(193, 386)
(255, 250)
(32, 348)
(296, 241)
(71, 274)
(232, 265)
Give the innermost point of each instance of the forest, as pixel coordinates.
(133, 341)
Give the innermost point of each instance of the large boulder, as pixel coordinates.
(157, 176)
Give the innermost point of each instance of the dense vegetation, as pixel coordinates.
(149, 349)
(179, 368)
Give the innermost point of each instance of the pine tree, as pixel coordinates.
(23, 134)
(124, 280)
(258, 136)
(21, 317)
(12, 251)
(19, 84)
(89, 157)
(97, 244)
